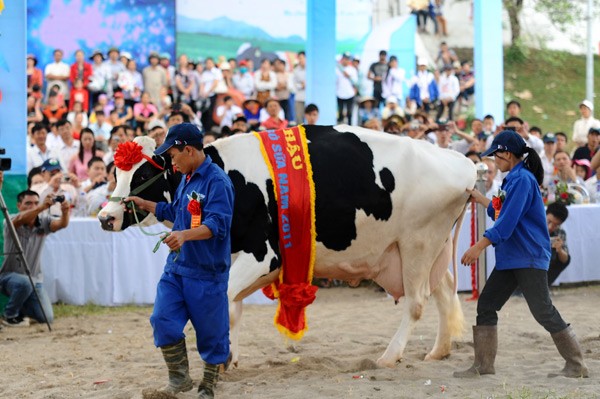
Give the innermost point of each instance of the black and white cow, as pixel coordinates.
(385, 208)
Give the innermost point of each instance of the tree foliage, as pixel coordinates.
(561, 13)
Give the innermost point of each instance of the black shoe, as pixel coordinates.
(16, 321)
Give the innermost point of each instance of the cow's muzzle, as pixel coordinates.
(107, 222)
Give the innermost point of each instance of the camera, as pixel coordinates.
(59, 198)
(66, 178)
(5, 163)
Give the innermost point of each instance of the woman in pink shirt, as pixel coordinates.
(144, 111)
(87, 150)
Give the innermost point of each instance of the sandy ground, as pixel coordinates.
(112, 356)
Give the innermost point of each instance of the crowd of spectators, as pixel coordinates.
(78, 114)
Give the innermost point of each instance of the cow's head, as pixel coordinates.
(136, 164)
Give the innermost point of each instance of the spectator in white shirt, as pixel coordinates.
(101, 129)
(114, 67)
(53, 139)
(548, 157)
(265, 82)
(299, 77)
(243, 80)
(39, 152)
(491, 183)
(582, 126)
(346, 78)
(57, 73)
(227, 112)
(449, 88)
(394, 80)
(69, 147)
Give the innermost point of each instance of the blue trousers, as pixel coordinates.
(179, 299)
(21, 300)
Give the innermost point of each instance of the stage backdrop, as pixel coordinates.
(261, 28)
(136, 26)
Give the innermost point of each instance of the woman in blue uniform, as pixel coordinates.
(522, 244)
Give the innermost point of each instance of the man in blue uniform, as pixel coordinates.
(194, 283)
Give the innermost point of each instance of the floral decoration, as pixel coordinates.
(497, 201)
(127, 155)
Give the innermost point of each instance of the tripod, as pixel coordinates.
(15, 237)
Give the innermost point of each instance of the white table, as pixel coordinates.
(583, 239)
(84, 264)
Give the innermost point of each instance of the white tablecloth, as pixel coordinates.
(84, 264)
(583, 240)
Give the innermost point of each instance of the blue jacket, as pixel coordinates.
(203, 259)
(520, 235)
(415, 92)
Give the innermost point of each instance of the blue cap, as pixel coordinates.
(182, 134)
(507, 140)
(50, 164)
(549, 138)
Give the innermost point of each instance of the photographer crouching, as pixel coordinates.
(32, 224)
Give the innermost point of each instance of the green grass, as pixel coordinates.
(63, 310)
(528, 393)
(203, 45)
(556, 80)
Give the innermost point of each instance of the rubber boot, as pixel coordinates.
(485, 339)
(569, 349)
(206, 389)
(179, 370)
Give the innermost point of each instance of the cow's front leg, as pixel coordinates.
(235, 321)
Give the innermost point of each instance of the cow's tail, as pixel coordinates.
(455, 247)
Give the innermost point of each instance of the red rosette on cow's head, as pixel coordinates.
(127, 155)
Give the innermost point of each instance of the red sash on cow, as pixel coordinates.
(286, 155)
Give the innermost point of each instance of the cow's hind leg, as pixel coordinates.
(451, 318)
(413, 309)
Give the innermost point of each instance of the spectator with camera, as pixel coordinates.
(556, 214)
(97, 197)
(32, 224)
(56, 182)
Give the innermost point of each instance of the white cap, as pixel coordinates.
(225, 66)
(126, 54)
(422, 61)
(156, 122)
(588, 104)
(391, 99)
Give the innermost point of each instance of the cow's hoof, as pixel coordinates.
(437, 356)
(384, 362)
